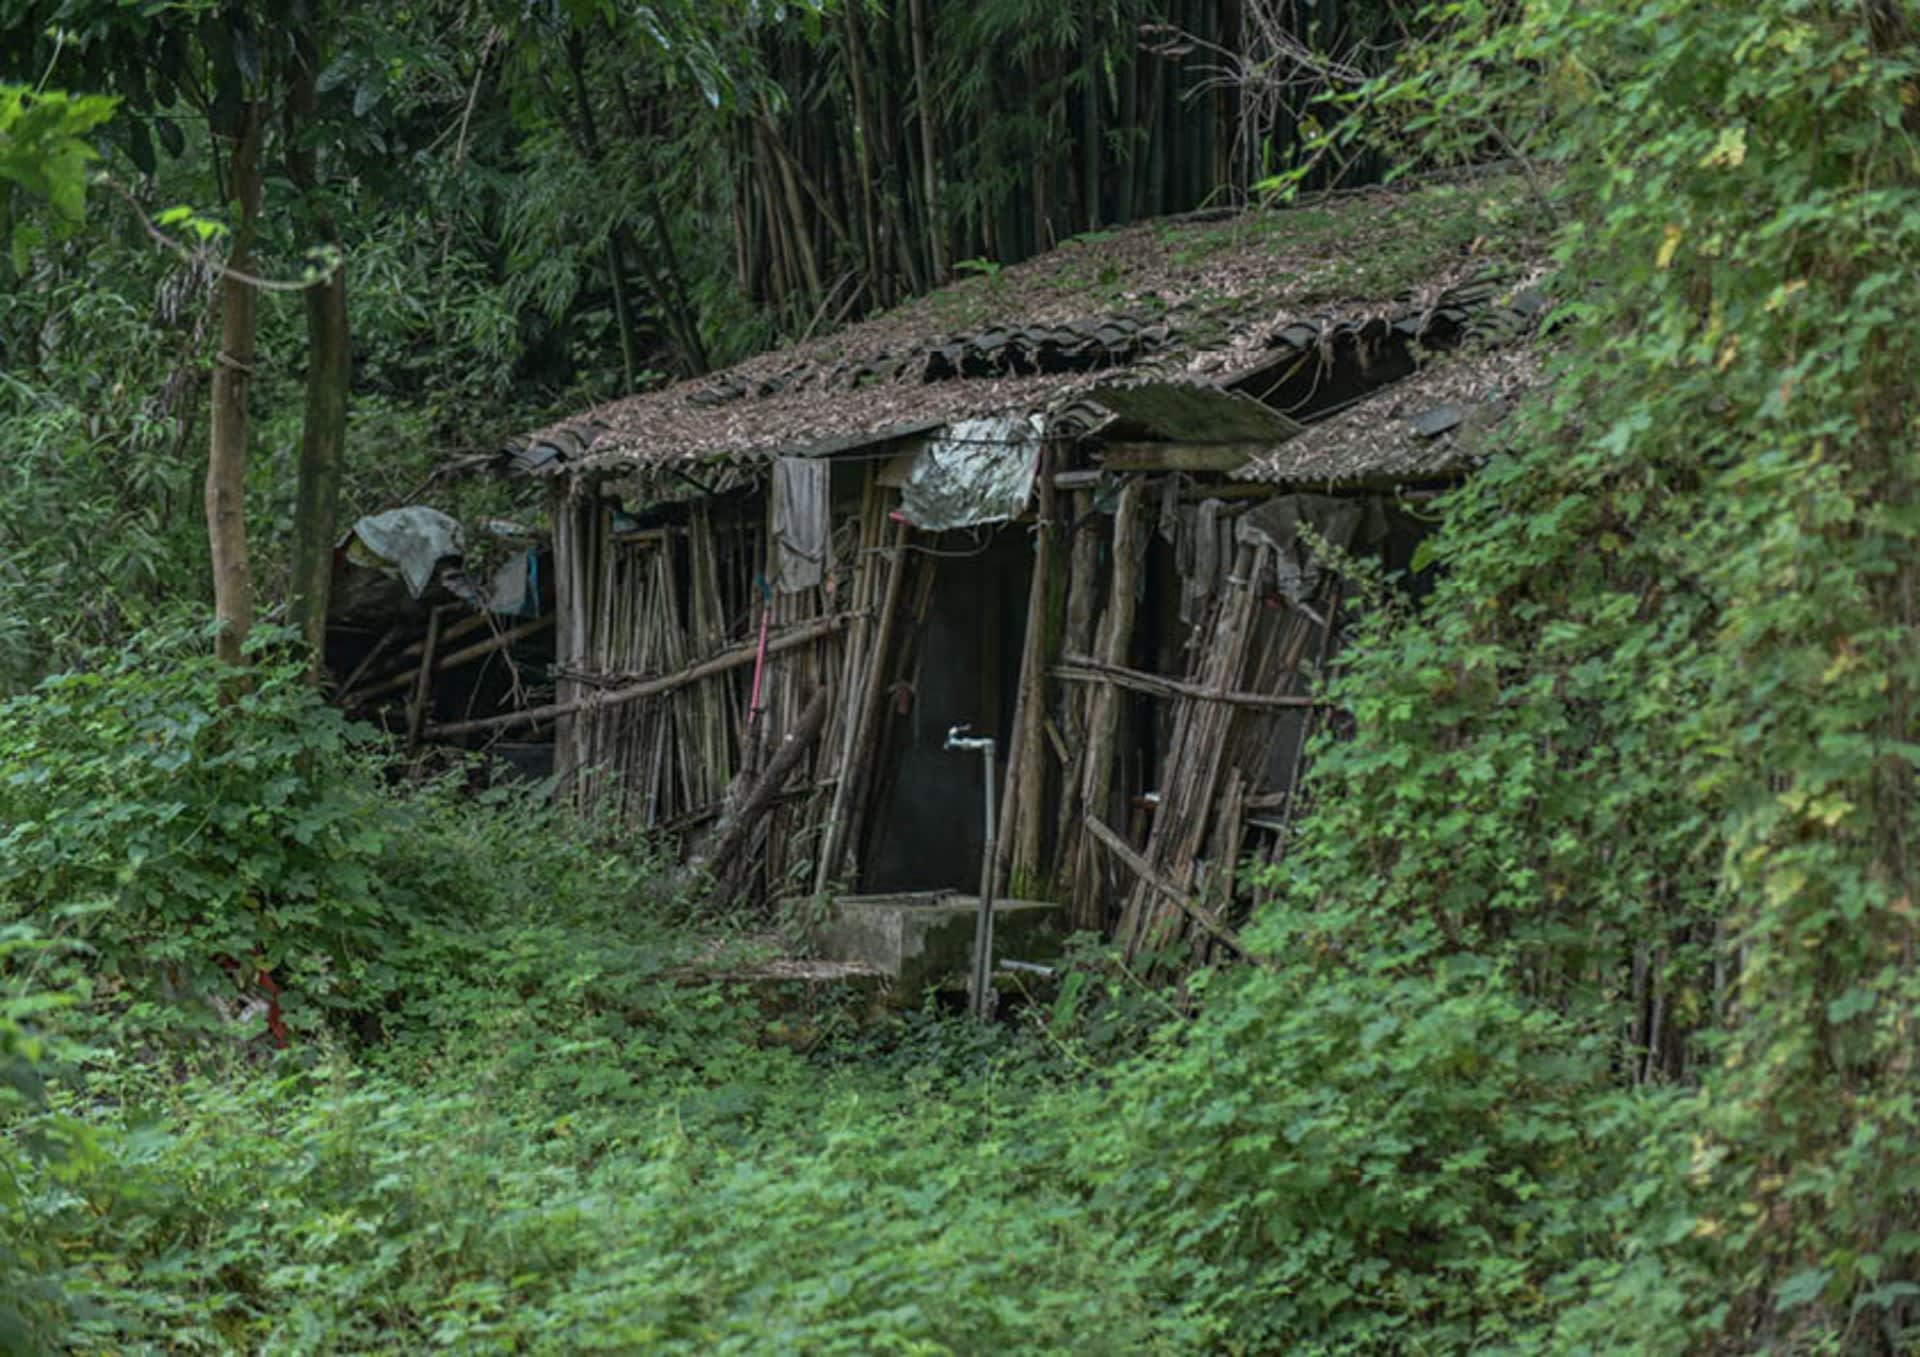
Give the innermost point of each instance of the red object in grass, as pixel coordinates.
(263, 977)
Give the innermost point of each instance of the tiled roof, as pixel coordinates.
(1425, 428)
(1237, 302)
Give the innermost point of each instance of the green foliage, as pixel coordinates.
(1641, 768)
(1384, 1152)
(44, 151)
(337, 1209)
(1586, 1020)
(42, 1146)
(515, 1118)
(195, 833)
(184, 835)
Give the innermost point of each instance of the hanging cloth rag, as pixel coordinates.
(800, 493)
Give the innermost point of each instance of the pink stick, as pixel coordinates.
(760, 663)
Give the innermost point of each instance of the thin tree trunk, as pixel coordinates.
(1089, 128)
(867, 188)
(929, 156)
(329, 374)
(588, 136)
(232, 376)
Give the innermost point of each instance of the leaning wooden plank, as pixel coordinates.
(1086, 669)
(367, 661)
(1083, 570)
(846, 722)
(465, 655)
(1143, 869)
(666, 683)
(858, 774)
(1018, 856)
(448, 633)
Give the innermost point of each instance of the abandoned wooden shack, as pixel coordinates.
(1083, 506)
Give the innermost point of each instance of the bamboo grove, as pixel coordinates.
(873, 151)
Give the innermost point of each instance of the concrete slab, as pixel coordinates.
(925, 939)
(791, 1000)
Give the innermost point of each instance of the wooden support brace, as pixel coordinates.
(465, 655)
(1143, 869)
(1086, 669)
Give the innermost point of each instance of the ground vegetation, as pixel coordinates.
(1579, 1019)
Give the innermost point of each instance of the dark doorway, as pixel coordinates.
(927, 828)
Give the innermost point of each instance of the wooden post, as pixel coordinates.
(423, 684)
(1017, 861)
(1083, 567)
(1103, 720)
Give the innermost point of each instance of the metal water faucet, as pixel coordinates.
(980, 986)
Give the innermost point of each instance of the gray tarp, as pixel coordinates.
(411, 541)
(977, 471)
(800, 522)
(515, 589)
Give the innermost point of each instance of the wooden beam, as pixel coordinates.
(666, 683)
(1085, 669)
(1143, 869)
(1181, 456)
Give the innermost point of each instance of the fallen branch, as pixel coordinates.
(724, 851)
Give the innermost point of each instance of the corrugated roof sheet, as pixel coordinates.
(1209, 305)
(1425, 428)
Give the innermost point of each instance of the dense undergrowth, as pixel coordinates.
(508, 1115)
(1583, 1019)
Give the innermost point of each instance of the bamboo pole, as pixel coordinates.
(867, 695)
(1197, 746)
(844, 725)
(1152, 880)
(666, 683)
(1085, 669)
(422, 684)
(1083, 567)
(372, 657)
(723, 854)
(1129, 547)
(1018, 855)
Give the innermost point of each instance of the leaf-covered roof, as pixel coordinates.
(1216, 301)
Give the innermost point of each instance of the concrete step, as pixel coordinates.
(924, 939)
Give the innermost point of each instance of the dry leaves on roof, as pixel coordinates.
(1427, 427)
(1184, 297)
